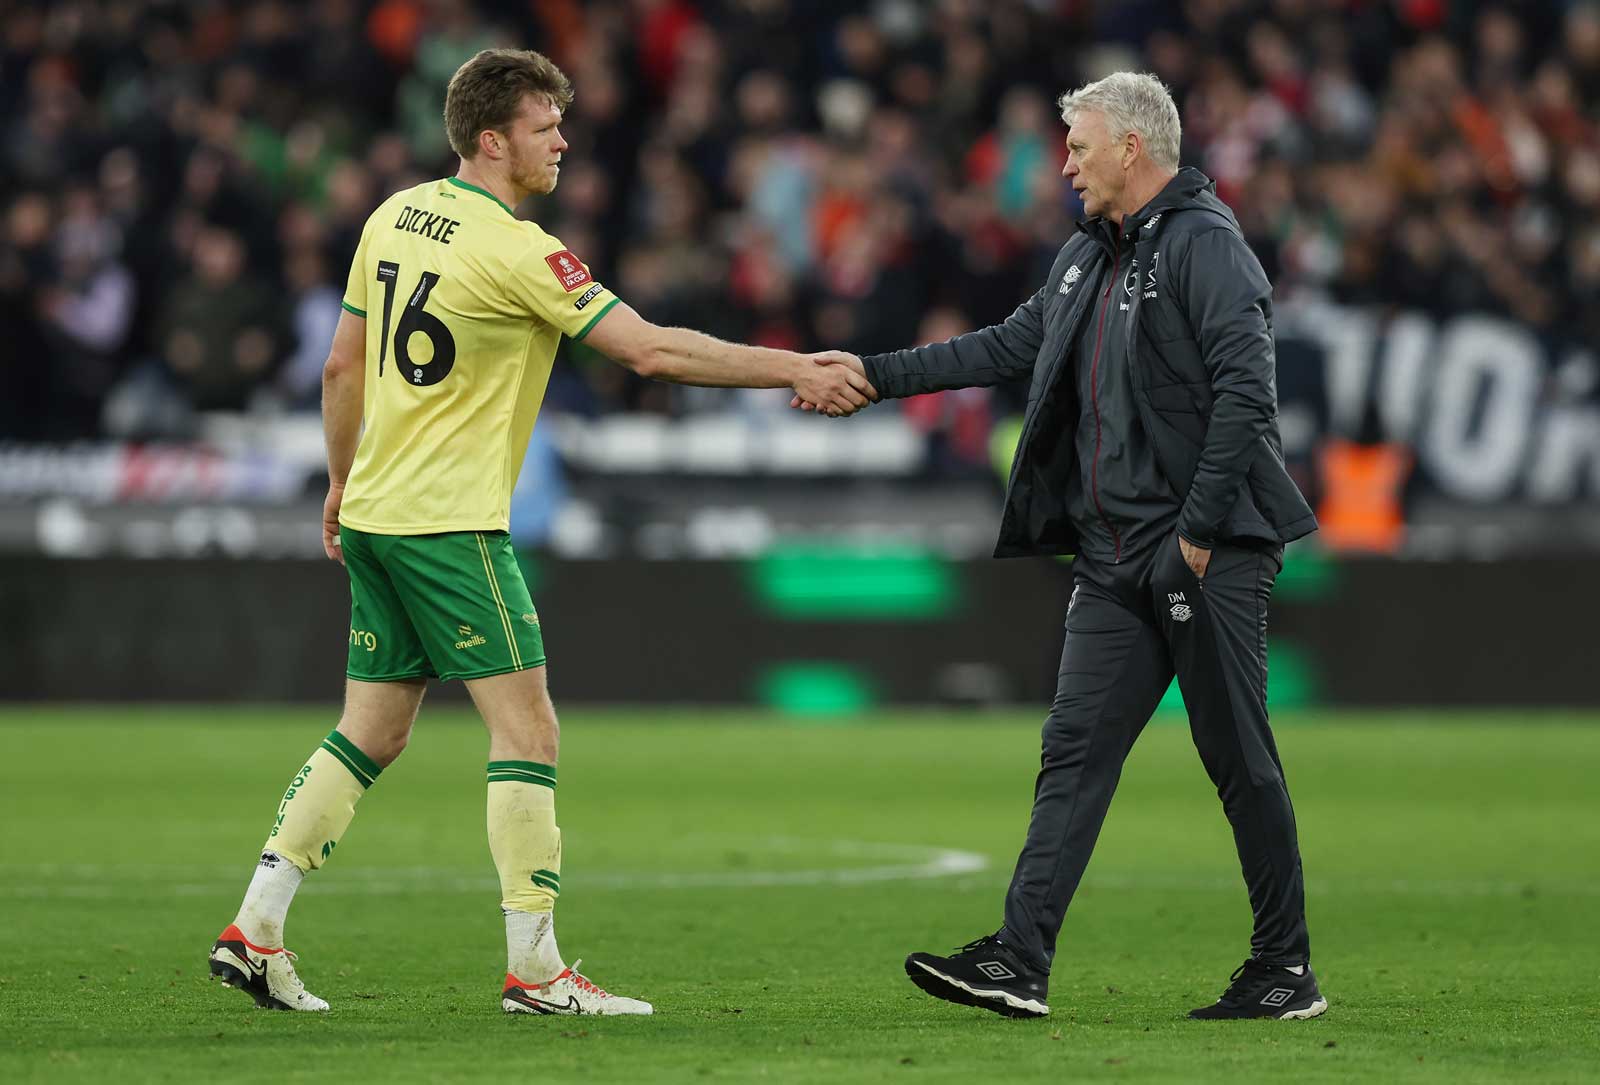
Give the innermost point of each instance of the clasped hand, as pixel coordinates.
(835, 385)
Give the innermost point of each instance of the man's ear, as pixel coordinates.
(1132, 144)
(490, 143)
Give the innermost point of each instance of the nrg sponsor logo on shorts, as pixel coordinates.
(362, 638)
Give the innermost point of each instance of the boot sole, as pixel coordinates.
(227, 968)
(1306, 1013)
(939, 985)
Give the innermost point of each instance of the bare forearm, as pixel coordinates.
(683, 356)
(341, 418)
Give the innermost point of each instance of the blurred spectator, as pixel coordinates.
(86, 312)
(315, 301)
(220, 329)
(189, 182)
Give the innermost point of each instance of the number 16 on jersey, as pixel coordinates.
(415, 318)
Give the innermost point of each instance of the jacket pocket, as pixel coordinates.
(1175, 436)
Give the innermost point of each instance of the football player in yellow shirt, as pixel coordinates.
(454, 309)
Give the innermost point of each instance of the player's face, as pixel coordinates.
(535, 146)
(1094, 163)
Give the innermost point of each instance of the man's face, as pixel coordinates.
(534, 146)
(1094, 164)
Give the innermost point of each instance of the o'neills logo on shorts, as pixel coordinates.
(568, 269)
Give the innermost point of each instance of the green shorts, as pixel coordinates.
(447, 606)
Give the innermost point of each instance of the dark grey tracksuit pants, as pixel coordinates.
(1130, 627)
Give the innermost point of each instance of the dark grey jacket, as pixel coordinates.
(1202, 364)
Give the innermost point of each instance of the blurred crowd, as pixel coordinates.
(186, 181)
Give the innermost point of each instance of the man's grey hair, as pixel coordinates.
(1132, 102)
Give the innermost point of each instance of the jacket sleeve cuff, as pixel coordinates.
(876, 374)
(1193, 539)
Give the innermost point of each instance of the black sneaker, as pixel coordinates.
(983, 973)
(1266, 990)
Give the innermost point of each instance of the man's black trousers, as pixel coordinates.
(1130, 627)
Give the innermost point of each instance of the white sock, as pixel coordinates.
(531, 953)
(266, 902)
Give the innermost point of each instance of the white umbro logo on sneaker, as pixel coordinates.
(996, 971)
(1277, 996)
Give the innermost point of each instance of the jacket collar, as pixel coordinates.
(1184, 190)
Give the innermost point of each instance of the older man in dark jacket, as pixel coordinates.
(1149, 449)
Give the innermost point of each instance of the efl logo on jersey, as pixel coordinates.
(567, 268)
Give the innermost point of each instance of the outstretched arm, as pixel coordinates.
(993, 355)
(682, 356)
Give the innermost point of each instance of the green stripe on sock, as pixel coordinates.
(525, 774)
(530, 766)
(532, 781)
(339, 755)
(353, 752)
(547, 879)
(526, 771)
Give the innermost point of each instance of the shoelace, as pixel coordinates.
(1244, 977)
(295, 986)
(583, 982)
(978, 943)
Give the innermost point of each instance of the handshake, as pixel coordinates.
(833, 383)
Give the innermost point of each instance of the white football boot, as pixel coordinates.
(569, 993)
(266, 975)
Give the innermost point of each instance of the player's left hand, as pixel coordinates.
(1196, 557)
(330, 523)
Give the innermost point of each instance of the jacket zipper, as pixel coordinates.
(1094, 398)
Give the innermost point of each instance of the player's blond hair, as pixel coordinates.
(1132, 102)
(487, 91)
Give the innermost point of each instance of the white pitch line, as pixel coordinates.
(121, 881)
(970, 871)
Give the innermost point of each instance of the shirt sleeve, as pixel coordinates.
(355, 287)
(554, 286)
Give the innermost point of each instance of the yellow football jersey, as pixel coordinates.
(465, 305)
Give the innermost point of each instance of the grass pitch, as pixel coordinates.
(761, 879)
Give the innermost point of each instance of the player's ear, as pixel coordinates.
(491, 143)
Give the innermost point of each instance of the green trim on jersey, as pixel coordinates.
(595, 319)
(452, 605)
(353, 309)
(459, 183)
